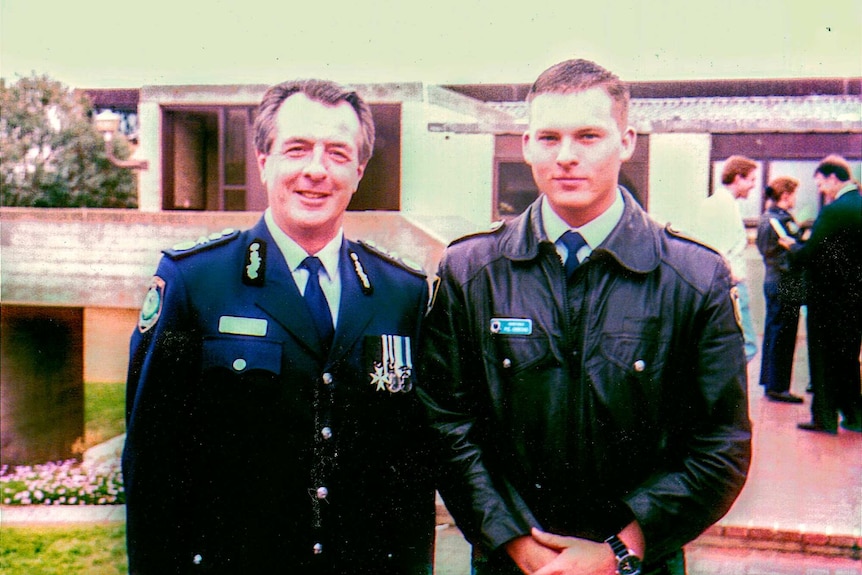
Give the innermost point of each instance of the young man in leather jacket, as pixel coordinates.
(588, 393)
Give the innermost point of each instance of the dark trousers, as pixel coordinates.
(779, 341)
(834, 341)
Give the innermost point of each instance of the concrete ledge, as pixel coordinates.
(105, 258)
(789, 541)
(60, 514)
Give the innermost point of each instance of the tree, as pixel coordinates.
(50, 153)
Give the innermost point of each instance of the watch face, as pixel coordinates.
(629, 565)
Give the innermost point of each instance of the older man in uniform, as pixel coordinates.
(272, 421)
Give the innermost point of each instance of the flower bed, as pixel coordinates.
(62, 483)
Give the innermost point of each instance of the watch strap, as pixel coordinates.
(620, 549)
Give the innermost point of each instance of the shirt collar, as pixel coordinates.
(293, 252)
(594, 232)
(848, 188)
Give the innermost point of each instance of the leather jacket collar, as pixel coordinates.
(634, 242)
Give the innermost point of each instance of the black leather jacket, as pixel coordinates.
(648, 419)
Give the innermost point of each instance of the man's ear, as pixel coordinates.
(629, 142)
(525, 148)
(261, 166)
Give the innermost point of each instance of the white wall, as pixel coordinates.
(444, 174)
(149, 181)
(678, 177)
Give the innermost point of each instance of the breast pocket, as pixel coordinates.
(627, 370)
(516, 356)
(242, 356)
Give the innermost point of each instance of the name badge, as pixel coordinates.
(511, 326)
(242, 325)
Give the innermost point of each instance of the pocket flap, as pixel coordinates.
(241, 355)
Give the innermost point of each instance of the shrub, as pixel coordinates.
(50, 153)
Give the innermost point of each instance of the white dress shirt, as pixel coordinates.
(294, 255)
(594, 232)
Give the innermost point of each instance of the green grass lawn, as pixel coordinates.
(85, 549)
(104, 412)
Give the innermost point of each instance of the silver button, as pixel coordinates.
(239, 364)
(326, 432)
(318, 548)
(322, 492)
(640, 365)
(507, 363)
(327, 378)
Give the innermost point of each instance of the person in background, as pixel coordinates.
(273, 425)
(833, 258)
(782, 304)
(582, 365)
(720, 226)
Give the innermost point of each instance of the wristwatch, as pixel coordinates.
(627, 562)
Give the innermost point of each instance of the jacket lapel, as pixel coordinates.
(356, 308)
(280, 298)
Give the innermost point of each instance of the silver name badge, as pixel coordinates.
(242, 325)
(511, 326)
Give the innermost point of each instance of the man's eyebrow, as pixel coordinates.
(295, 140)
(309, 141)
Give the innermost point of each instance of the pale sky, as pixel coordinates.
(115, 44)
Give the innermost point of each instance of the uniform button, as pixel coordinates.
(507, 363)
(327, 378)
(239, 364)
(318, 548)
(326, 432)
(322, 492)
(640, 365)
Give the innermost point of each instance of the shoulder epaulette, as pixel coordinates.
(493, 229)
(684, 236)
(203, 243)
(393, 258)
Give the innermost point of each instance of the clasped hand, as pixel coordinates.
(550, 554)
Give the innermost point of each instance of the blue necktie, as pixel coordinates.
(316, 301)
(573, 242)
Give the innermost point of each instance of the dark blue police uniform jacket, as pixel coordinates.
(249, 450)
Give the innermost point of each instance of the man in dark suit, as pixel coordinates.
(833, 258)
(272, 421)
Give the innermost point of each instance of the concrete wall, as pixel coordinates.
(678, 177)
(150, 180)
(106, 343)
(444, 174)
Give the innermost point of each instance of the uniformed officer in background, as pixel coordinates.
(272, 421)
